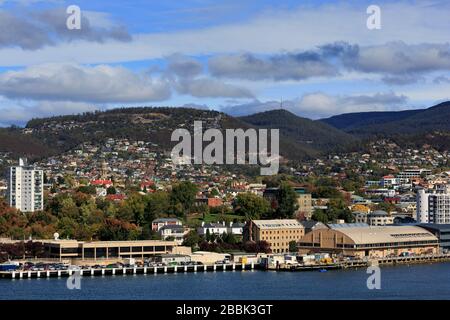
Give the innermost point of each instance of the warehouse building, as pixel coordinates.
(369, 241)
(441, 231)
(278, 233)
(110, 250)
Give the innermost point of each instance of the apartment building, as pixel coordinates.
(434, 206)
(304, 202)
(25, 187)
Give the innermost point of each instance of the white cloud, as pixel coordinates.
(32, 30)
(270, 32)
(318, 105)
(211, 88)
(12, 112)
(71, 82)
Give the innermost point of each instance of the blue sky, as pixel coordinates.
(239, 57)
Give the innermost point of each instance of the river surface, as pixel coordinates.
(426, 281)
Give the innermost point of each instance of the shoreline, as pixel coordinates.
(224, 268)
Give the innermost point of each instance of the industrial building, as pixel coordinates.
(278, 233)
(369, 241)
(441, 231)
(104, 250)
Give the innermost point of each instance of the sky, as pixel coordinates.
(240, 57)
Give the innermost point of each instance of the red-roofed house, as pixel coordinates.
(102, 183)
(115, 197)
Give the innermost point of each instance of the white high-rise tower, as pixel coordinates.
(25, 190)
(434, 207)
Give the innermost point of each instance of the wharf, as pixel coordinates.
(125, 271)
(363, 263)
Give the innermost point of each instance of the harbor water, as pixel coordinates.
(424, 281)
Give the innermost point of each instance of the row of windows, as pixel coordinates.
(281, 238)
(283, 231)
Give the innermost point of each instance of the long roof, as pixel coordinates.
(278, 224)
(387, 234)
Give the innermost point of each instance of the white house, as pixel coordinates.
(213, 228)
(236, 228)
(177, 232)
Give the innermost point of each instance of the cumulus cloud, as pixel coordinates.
(185, 75)
(296, 66)
(400, 58)
(20, 113)
(211, 88)
(320, 105)
(183, 66)
(397, 62)
(265, 33)
(72, 82)
(441, 79)
(36, 29)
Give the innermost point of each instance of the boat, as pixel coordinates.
(9, 266)
(323, 270)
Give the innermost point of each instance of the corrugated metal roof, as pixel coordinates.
(387, 234)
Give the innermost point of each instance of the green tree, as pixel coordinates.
(251, 206)
(320, 215)
(157, 205)
(184, 194)
(292, 246)
(287, 201)
(191, 239)
(111, 190)
(133, 209)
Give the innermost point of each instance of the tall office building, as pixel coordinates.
(25, 190)
(434, 207)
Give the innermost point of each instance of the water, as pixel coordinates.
(430, 281)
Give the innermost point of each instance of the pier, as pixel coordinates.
(363, 263)
(92, 272)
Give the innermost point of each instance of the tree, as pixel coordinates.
(87, 190)
(116, 230)
(251, 206)
(287, 202)
(208, 235)
(184, 193)
(214, 192)
(157, 205)
(133, 209)
(320, 216)
(292, 246)
(111, 190)
(191, 239)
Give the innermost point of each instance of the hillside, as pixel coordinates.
(315, 136)
(410, 122)
(359, 120)
(13, 141)
(157, 124)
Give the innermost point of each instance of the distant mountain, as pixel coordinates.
(352, 121)
(409, 122)
(315, 136)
